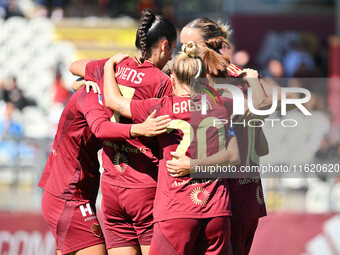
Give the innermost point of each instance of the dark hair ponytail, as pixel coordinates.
(216, 64)
(209, 28)
(217, 43)
(146, 21)
(212, 30)
(151, 29)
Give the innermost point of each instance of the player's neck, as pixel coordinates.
(155, 58)
(182, 91)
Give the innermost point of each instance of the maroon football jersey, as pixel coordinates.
(72, 169)
(132, 163)
(247, 201)
(246, 194)
(189, 132)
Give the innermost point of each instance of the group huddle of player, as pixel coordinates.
(150, 203)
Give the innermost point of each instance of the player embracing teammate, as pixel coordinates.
(130, 166)
(247, 201)
(192, 216)
(71, 177)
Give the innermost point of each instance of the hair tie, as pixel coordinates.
(199, 72)
(185, 48)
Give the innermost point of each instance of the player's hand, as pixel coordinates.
(153, 125)
(179, 166)
(248, 73)
(116, 59)
(93, 85)
(233, 70)
(78, 84)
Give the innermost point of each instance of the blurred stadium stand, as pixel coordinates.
(35, 54)
(32, 55)
(98, 38)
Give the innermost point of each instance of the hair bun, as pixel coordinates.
(225, 29)
(217, 43)
(190, 49)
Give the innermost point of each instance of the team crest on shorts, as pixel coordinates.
(96, 230)
(120, 162)
(199, 196)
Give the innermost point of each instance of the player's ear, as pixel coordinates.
(164, 45)
(173, 80)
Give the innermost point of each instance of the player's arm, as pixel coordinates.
(104, 129)
(113, 98)
(78, 67)
(269, 87)
(182, 165)
(262, 91)
(251, 76)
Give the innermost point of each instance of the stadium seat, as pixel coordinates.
(2, 35)
(27, 177)
(41, 28)
(36, 124)
(14, 26)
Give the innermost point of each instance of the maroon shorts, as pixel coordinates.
(242, 235)
(127, 215)
(74, 224)
(192, 236)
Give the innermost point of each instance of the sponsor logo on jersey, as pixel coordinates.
(87, 212)
(96, 230)
(54, 152)
(120, 162)
(199, 196)
(125, 148)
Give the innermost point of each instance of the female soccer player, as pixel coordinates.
(191, 215)
(246, 194)
(71, 176)
(130, 166)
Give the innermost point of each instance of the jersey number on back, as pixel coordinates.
(188, 135)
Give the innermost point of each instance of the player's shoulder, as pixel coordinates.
(96, 63)
(71, 108)
(155, 71)
(163, 77)
(227, 102)
(129, 62)
(83, 98)
(164, 102)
